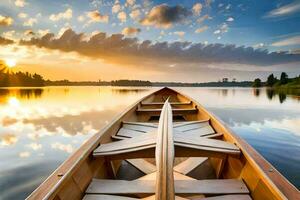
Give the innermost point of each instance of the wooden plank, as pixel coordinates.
(142, 165)
(149, 124)
(177, 176)
(217, 186)
(220, 167)
(204, 142)
(189, 164)
(125, 145)
(214, 136)
(192, 126)
(109, 186)
(106, 197)
(177, 111)
(206, 130)
(124, 132)
(164, 155)
(195, 147)
(140, 128)
(207, 133)
(118, 138)
(179, 124)
(227, 197)
(162, 103)
(153, 198)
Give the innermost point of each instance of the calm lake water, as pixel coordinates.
(41, 127)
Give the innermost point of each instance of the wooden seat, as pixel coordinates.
(162, 103)
(189, 146)
(106, 197)
(212, 187)
(177, 111)
(114, 197)
(195, 129)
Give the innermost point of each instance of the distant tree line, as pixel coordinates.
(273, 81)
(10, 79)
(31, 80)
(130, 83)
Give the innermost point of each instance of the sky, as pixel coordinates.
(179, 40)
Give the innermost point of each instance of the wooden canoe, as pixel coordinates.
(164, 147)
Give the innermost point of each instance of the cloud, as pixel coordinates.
(34, 146)
(201, 29)
(259, 45)
(62, 15)
(130, 2)
(287, 42)
(9, 34)
(20, 3)
(217, 31)
(228, 7)
(80, 18)
(8, 139)
(29, 33)
(30, 22)
(223, 28)
(5, 41)
(284, 10)
(5, 21)
(129, 51)
(131, 31)
(203, 18)
(122, 16)
(197, 9)
(230, 19)
(116, 8)
(96, 16)
(63, 147)
(22, 15)
(42, 32)
(135, 14)
(165, 16)
(179, 33)
(24, 154)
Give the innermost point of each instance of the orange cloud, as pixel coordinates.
(5, 21)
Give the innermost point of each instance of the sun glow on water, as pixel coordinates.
(13, 101)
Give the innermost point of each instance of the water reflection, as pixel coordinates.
(129, 90)
(27, 93)
(256, 92)
(272, 93)
(224, 92)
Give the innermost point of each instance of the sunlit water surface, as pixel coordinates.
(41, 127)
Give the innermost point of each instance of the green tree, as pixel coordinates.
(271, 80)
(257, 83)
(284, 78)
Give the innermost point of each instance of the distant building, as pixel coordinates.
(234, 80)
(225, 80)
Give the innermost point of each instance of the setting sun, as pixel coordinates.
(11, 63)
